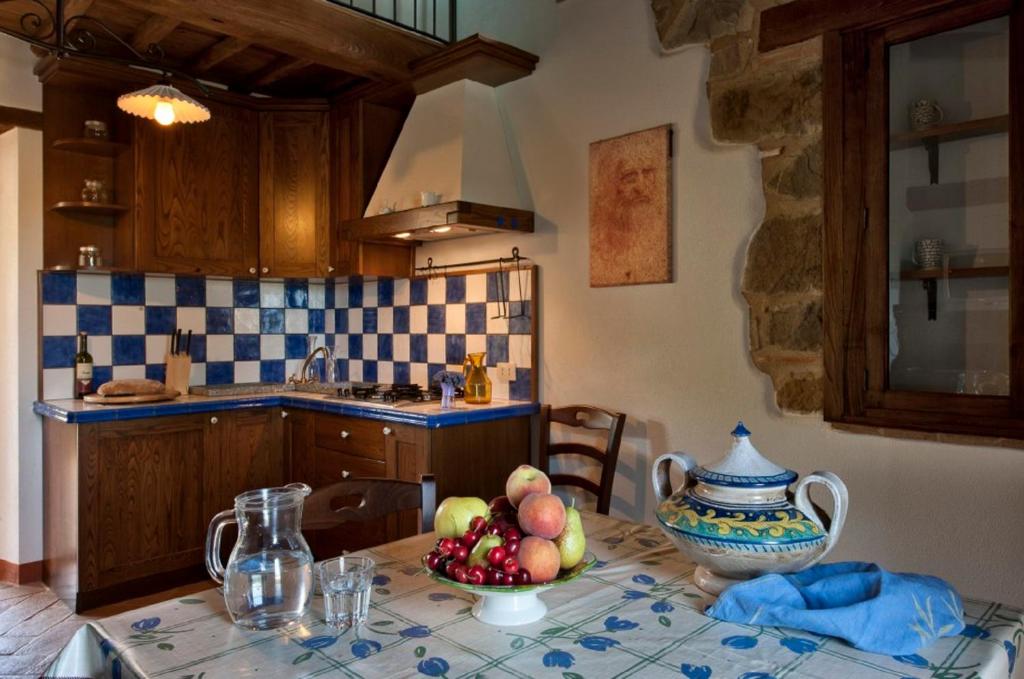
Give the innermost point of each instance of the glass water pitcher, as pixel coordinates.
(268, 579)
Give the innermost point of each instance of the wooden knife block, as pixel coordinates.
(177, 372)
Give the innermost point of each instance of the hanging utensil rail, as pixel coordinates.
(432, 270)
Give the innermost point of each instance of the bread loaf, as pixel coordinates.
(134, 387)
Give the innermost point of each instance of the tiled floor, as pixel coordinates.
(35, 625)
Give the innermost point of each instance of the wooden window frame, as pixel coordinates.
(856, 239)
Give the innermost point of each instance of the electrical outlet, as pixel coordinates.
(507, 372)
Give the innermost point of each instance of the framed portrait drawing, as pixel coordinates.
(631, 208)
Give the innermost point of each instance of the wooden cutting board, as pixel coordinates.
(125, 400)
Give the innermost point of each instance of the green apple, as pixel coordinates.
(572, 543)
(478, 557)
(453, 516)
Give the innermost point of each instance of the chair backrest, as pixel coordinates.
(377, 498)
(591, 418)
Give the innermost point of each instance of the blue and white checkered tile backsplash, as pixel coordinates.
(385, 330)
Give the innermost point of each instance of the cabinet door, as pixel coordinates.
(196, 194)
(332, 466)
(298, 446)
(294, 201)
(250, 454)
(405, 449)
(144, 486)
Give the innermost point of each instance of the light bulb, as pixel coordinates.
(164, 112)
(441, 229)
(404, 234)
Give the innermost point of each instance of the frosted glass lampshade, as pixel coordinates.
(164, 104)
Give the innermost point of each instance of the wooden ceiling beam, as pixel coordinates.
(315, 30)
(218, 52)
(152, 31)
(21, 117)
(802, 20)
(276, 70)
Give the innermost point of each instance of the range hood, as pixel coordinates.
(453, 144)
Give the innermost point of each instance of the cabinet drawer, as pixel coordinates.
(351, 435)
(332, 466)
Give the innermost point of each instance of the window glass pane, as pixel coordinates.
(949, 211)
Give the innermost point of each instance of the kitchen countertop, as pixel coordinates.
(427, 414)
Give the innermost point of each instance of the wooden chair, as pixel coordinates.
(377, 498)
(591, 418)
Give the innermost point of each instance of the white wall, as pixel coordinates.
(21, 232)
(21, 200)
(675, 356)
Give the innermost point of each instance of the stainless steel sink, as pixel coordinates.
(243, 389)
(321, 387)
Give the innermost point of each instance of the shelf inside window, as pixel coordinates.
(947, 132)
(962, 272)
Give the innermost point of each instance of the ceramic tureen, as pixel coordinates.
(734, 519)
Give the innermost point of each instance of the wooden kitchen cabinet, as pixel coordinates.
(197, 194)
(246, 450)
(295, 222)
(127, 503)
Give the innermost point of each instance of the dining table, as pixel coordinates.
(636, 613)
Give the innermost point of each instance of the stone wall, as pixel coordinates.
(772, 100)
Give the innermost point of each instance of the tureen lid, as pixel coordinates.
(743, 466)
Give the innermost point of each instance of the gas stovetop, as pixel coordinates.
(388, 395)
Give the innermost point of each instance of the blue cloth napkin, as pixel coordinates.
(872, 609)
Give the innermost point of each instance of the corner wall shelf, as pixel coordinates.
(93, 147)
(83, 207)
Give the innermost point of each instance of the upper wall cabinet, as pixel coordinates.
(295, 225)
(197, 194)
(924, 287)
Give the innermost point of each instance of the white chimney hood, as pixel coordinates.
(453, 143)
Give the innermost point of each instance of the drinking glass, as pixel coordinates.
(345, 582)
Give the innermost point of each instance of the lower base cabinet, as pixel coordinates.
(127, 503)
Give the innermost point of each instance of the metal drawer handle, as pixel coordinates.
(345, 473)
(213, 420)
(387, 431)
(344, 434)
(284, 414)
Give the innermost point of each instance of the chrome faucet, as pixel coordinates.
(303, 376)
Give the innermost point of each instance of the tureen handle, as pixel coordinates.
(659, 473)
(840, 499)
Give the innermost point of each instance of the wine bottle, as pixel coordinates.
(83, 367)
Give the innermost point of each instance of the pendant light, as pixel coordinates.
(165, 104)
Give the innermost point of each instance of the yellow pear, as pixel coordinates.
(571, 543)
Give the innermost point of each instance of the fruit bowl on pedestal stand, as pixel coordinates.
(518, 604)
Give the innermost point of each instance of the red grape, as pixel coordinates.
(461, 573)
(511, 547)
(496, 578)
(510, 566)
(512, 533)
(449, 569)
(469, 538)
(461, 553)
(477, 575)
(431, 560)
(478, 524)
(445, 546)
(496, 556)
(523, 577)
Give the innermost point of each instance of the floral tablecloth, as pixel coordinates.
(637, 613)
